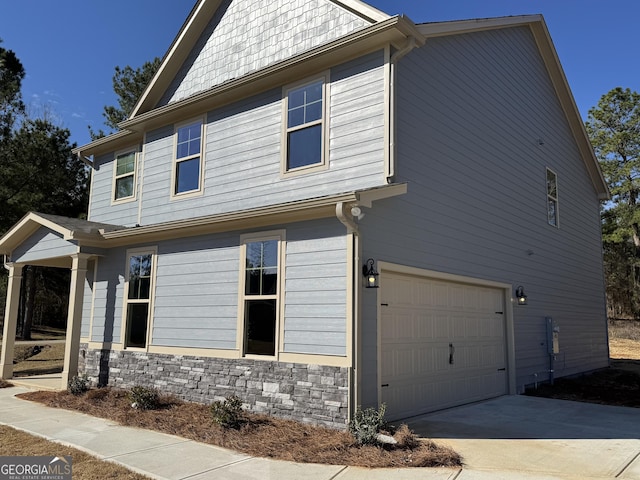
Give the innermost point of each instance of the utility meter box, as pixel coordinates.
(553, 334)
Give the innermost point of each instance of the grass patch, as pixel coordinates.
(50, 359)
(85, 466)
(257, 435)
(624, 330)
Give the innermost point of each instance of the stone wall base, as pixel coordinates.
(310, 393)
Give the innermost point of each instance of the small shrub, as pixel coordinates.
(144, 398)
(227, 414)
(78, 385)
(367, 423)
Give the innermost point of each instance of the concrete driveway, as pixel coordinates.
(539, 437)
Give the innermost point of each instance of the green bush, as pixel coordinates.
(227, 414)
(78, 385)
(367, 423)
(144, 398)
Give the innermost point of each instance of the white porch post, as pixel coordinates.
(10, 320)
(74, 317)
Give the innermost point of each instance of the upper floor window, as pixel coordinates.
(305, 125)
(125, 176)
(138, 300)
(260, 305)
(552, 198)
(187, 173)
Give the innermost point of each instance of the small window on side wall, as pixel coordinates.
(187, 172)
(305, 125)
(125, 176)
(552, 198)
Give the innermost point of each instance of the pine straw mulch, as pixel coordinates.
(258, 435)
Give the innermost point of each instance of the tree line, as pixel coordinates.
(39, 173)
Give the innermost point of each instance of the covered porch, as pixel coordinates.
(48, 241)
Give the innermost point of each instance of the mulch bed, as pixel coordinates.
(258, 435)
(612, 386)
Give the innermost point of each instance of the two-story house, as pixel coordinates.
(315, 205)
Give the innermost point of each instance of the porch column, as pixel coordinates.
(10, 320)
(74, 317)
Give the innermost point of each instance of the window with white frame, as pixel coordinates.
(305, 106)
(138, 298)
(261, 286)
(552, 198)
(124, 184)
(187, 173)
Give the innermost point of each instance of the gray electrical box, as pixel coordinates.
(553, 332)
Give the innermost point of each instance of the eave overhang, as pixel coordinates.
(303, 210)
(395, 31)
(32, 221)
(552, 63)
(91, 234)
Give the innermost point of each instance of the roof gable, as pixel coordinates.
(552, 63)
(227, 39)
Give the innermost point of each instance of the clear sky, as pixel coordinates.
(70, 48)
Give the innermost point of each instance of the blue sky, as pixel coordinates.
(70, 47)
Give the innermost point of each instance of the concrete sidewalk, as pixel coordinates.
(165, 456)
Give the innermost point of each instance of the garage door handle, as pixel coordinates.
(502, 369)
(452, 351)
(385, 384)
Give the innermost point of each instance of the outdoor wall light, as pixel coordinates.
(520, 295)
(370, 274)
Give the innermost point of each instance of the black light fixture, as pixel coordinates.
(370, 274)
(520, 295)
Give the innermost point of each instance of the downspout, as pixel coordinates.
(410, 45)
(346, 218)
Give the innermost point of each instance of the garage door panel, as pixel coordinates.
(416, 337)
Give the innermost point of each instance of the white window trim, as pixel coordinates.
(152, 288)
(280, 236)
(136, 151)
(324, 155)
(175, 160)
(549, 197)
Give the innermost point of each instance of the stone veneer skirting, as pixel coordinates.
(310, 393)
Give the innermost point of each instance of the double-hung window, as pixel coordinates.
(304, 127)
(138, 297)
(261, 286)
(552, 198)
(124, 184)
(187, 172)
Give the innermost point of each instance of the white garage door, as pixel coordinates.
(443, 344)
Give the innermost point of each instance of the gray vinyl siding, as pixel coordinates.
(108, 298)
(243, 37)
(100, 206)
(196, 295)
(196, 291)
(471, 109)
(316, 289)
(43, 244)
(243, 150)
(86, 300)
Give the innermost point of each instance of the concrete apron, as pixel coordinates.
(545, 436)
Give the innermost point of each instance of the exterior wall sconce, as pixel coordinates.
(520, 296)
(370, 274)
